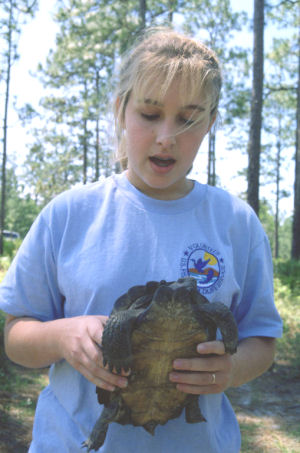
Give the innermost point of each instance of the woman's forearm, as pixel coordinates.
(35, 344)
(32, 343)
(254, 356)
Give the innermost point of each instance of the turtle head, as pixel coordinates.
(171, 295)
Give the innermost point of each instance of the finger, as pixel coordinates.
(89, 363)
(195, 379)
(199, 383)
(94, 352)
(101, 377)
(211, 347)
(210, 364)
(99, 382)
(198, 390)
(103, 373)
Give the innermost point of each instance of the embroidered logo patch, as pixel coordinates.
(206, 265)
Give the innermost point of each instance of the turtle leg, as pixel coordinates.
(220, 315)
(116, 341)
(115, 412)
(103, 396)
(98, 434)
(192, 411)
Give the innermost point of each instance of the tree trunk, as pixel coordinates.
(211, 174)
(296, 217)
(278, 166)
(5, 122)
(85, 145)
(97, 144)
(142, 13)
(85, 151)
(254, 144)
(171, 7)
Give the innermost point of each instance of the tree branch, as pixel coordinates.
(28, 8)
(269, 89)
(282, 2)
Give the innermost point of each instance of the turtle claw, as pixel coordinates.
(117, 365)
(88, 445)
(85, 445)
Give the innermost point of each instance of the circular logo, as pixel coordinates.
(205, 265)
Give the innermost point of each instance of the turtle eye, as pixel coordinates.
(151, 287)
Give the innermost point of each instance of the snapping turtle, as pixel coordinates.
(149, 327)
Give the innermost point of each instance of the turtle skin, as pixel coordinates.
(149, 327)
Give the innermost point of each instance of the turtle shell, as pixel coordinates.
(151, 326)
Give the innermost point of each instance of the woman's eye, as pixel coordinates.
(187, 121)
(150, 117)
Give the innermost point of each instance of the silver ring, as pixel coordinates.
(213, 378)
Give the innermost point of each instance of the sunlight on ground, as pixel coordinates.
(265, 434)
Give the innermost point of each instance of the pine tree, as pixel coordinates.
(13, 12)
(254, 144)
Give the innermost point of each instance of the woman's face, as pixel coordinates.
(162, 140)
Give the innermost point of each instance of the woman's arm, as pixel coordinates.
(35, 344)
(214, 374)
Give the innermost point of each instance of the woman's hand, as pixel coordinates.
(208, 373)
(80, 341)
(36, 344)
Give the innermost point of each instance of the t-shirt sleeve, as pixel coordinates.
(256, 314)
(30, 287)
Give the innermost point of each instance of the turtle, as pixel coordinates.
(149, 327)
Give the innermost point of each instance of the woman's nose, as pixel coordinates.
(166, 135)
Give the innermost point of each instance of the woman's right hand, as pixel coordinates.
(80, 341)
(36, 344)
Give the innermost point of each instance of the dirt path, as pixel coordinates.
(268, 410)
(18, 396)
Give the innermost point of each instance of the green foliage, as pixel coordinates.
(11, 247)
(21, 210)
(288, 271)
(287, 298)
(4, 369)
(21, 214)
(285, 238)
(267, 219)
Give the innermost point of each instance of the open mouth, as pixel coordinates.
(160, 162)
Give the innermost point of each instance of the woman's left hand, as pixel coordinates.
(208, 373)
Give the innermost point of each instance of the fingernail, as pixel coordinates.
(174, 377)
(200, 348)
(177, 363)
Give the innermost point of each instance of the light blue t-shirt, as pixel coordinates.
(91, 244)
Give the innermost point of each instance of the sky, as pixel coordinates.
(38, 37)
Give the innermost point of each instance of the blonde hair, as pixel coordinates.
(159, 57)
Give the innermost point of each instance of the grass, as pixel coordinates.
(287, 298)
(265, 435)
(272, 433)
(19, 390)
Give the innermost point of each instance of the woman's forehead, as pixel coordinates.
(153, 94)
